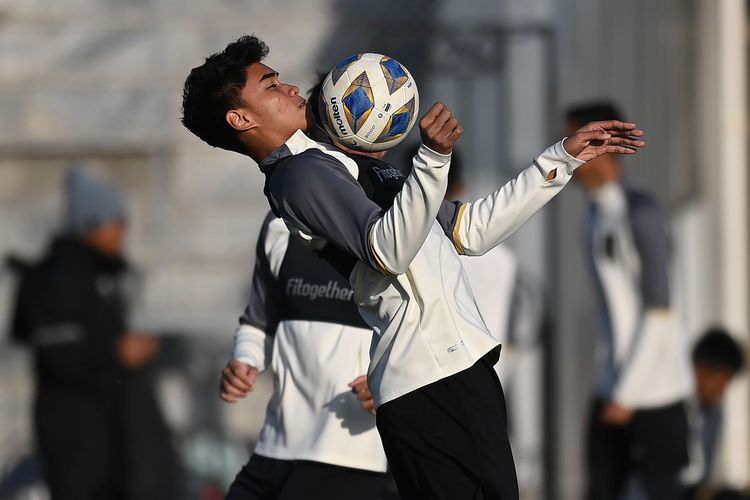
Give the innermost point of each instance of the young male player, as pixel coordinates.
(431, 360)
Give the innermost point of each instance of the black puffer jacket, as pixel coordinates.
(99, 428)
(71, 309)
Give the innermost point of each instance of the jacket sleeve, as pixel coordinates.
(253, 339)
(399, 234)
(649, 227)
(479, 226)
(316, 194)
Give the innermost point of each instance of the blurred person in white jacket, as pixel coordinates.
(638, 422)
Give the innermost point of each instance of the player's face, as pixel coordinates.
(276, 107)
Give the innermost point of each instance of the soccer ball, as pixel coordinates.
(368, 102)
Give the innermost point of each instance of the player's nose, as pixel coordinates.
(293, 90)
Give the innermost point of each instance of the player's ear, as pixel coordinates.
(240, 120)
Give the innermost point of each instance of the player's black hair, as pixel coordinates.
(717, 349)
(214, 87)
(593, 111)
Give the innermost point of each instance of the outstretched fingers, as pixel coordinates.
(610, 125)
(597, 134)
(626, 133)
(611, 148)
(626, 141)
(607, 136)
(599, 137)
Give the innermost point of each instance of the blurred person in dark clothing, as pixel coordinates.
(99, 429)
(717, 359)
(639, 419)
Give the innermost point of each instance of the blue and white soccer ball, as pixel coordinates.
(369, 102)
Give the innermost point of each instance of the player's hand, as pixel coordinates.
(237, 379)
(362, 391)
(440, 129)
(616, 414)
(598, 138)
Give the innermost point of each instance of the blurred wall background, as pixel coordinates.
(99, 83)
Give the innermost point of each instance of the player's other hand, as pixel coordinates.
(597, 138)
(362, 391)
(440, 129)
(237, 379)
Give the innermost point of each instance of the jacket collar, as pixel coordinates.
(297, 143)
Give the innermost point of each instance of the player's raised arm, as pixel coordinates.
(317, 195)
(481, 225)
(399, 234)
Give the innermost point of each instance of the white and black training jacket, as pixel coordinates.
(398, 243)
(302, 322)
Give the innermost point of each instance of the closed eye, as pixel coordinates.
(270, 75)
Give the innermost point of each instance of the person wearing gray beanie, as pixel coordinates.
(98, 425)
(90, 202)
(94, 212)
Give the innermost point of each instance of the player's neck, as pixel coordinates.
(259, 147)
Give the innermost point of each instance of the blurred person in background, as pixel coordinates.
(717, 359)
(319, 440)
(638, 423)
(99, 430)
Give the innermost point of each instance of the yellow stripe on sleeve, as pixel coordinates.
(456, 237)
